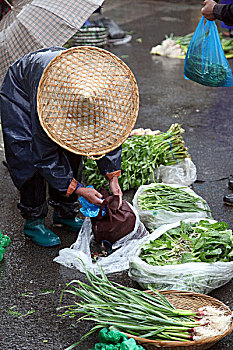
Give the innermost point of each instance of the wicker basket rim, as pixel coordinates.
(163, 343)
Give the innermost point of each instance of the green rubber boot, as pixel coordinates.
(39, 234)
(73, 224)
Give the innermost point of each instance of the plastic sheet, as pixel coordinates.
(197, 277)
(115, 262)
(183, 173)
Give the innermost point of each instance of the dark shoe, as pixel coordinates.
(230, 182)
(74, 224)
(228, 199)
(39, 234)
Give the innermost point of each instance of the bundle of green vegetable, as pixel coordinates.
(141, 155)
(183, 42)
(128, 310)
(169, 198)
(134, 312)
(160, 204)
(199, 242)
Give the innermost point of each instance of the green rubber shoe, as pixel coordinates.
(39, 234)
(73, 224)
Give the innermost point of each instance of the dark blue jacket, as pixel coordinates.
(28, 149)
(224, 12)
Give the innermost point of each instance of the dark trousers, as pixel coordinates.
(33, 194)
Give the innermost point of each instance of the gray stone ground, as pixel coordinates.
(165, 98)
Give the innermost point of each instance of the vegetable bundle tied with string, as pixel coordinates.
(141, 155)
(128, 310)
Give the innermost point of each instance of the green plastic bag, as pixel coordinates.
(129, 344)
(102, 346)
(115, 340)
(4, 242)
(111, 337)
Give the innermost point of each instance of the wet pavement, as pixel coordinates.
(30, 282)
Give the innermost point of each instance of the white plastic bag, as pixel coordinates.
(115, 262)
(199, 277)
(183, 173)
(152, 219)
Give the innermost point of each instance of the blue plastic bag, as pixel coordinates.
(90, 210)
(205, 61)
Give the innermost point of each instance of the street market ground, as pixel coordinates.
(29, 279)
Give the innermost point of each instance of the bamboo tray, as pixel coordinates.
(190, 301)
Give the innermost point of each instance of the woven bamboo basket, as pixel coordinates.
(190, 301)
(90, 36)
(88, 101)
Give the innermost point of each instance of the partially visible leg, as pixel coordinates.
(66, 209)
(33, 207)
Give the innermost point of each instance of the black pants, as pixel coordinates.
(33, 194)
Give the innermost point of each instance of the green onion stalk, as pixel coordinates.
(128, 310)
(141, 156)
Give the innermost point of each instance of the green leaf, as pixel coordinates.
(46, 291)
(187, 257)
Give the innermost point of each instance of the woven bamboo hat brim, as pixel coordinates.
(88, 101)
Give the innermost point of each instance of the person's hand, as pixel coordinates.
(115, 189)
(90, 194)
(207, 10)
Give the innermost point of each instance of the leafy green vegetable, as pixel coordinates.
(198, 242)
(141, 155)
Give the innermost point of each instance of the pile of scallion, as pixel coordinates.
(128, 310)
(141, 155)
(161, 196)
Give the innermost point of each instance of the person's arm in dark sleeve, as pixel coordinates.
(212, 11)
(224, 13)
(110, 167)
(110, 164)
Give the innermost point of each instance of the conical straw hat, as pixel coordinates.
(87, 101)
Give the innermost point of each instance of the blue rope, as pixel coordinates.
(171, 151)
